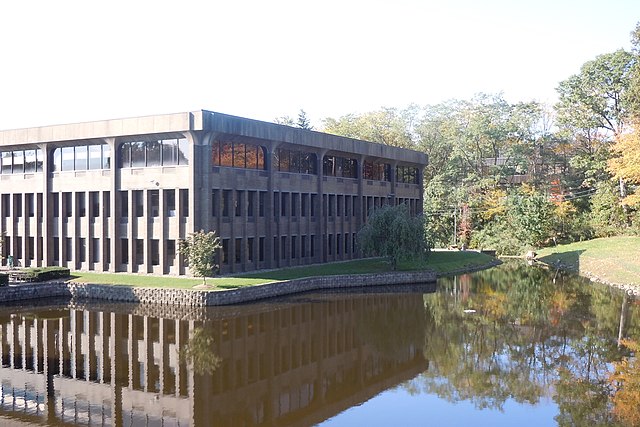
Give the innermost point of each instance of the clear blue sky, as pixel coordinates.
(70, 61)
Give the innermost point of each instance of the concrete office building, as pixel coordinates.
(118, 195)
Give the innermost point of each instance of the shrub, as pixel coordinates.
(41, 274)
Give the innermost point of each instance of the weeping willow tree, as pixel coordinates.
(392, 232)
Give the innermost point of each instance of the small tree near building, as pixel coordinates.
(392, 232)
(199, 249)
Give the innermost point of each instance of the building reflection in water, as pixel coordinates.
(293, 362)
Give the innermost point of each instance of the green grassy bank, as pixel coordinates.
(440, 261)
(611, 260)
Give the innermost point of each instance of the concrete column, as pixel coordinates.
(420, 207)
(62, 247)
(46, 229)
(130, 232)
(3, 230)
(195, 183)
(73, 231)
(392, 192)
(104, 198)
(24, 231)
(321, 220)
(164, 232)
(271, 225)
(360, 218)
(40, 237)
(87, 233)
(146, 232)
(113, 222)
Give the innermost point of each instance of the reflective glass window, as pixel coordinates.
(125, 154)
(29, 161)
(81, 158)
(95, 157)
(226, 154)
(153, 153)
(106, 156)
(239, 160)
(67, 159)
(137, 154)
(18, 161)
(183, 151)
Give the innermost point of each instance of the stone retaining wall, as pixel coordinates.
(201, 298)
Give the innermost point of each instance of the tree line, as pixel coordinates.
(514, 176)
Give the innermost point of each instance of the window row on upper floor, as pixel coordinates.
(21, 161)
(407, 175)
(174, 152)
(165, 152)
(238, 155)
(155, 152)
(81, 157)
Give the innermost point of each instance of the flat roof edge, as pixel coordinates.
(163, 123)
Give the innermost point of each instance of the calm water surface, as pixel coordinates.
(513, 345)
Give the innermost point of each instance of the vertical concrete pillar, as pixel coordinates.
(270, 221)
(113, 221)
(47, 206)
(362, 199)
(46, 229)
(321, 220)
(131, 226)
(144, 233)
(23, 230)
(3, 231)
(420, 207)
(392, 193)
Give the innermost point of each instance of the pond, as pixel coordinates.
(511, 345)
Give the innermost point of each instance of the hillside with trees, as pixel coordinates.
(517, 176)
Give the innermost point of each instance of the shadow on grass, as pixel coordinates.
(564, 260)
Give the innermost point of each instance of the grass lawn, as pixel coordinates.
(439, 261)
(612, 259)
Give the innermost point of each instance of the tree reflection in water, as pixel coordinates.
(199, 352)
(512, 333)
